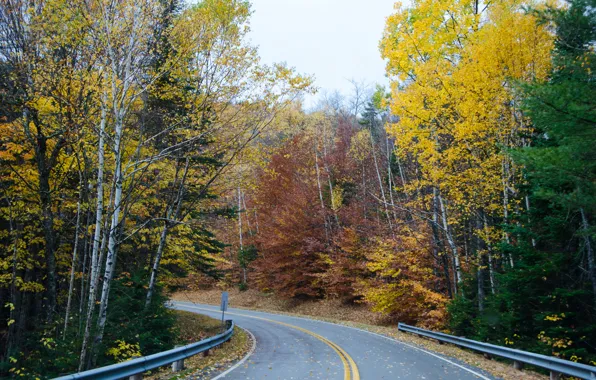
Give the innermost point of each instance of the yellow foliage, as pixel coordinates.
(124, 351)
(453, 70)
(403, 281)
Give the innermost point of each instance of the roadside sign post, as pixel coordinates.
(223, 307)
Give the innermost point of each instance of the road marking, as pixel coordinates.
(350, 367)
(252, 350)
(477, 374)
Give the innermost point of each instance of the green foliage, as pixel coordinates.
(152, 329)
(380, 97)
(546, 302)
(247, 255)
(536, 308)
(183, 100)
(130, 331)
(561, 163)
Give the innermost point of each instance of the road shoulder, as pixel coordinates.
(195, 327)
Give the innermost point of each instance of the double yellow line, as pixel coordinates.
(350, 368)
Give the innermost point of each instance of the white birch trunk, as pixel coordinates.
(372, 146)
(321, 195)
(450, 240)
(121, 81)
(248, 228)
(114, 226)
(491, 273)
(390, 179)
(96, 236)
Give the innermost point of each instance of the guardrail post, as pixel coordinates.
(140, 365)
(205, 353)
(557, 367)
(178, 365)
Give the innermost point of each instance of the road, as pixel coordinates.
(300, 348)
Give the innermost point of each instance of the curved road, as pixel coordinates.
(300, 348)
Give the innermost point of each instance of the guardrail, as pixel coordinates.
(136, 367)
(555, 365)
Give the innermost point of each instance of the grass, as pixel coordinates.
(354, 316)
(194, 327)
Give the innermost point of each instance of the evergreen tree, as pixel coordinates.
(547, 302)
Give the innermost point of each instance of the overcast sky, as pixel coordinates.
(335, 40)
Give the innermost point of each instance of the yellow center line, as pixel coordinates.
(350, 368)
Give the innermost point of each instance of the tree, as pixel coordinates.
(119, 120)
(554, 249)
(455, 66)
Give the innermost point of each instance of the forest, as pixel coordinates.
(144, 143)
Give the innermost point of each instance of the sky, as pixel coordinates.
(334, 40)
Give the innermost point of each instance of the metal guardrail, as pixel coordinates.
(146, 363)
(555, 365)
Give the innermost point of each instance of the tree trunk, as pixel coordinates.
(506, 205)
(372, 145)
(480, 273)
(438, 245)
(84, 279)
(95, 262)
(243, 263)
(451, 241)
(170, 214)
(480, 278)
(12, 329)
(121, 71)
(491, 271)
(390, 180)
(155, 268)
(48, 230)
(240, 219)
(321, 195)
(114, 228)
(529, 219)
(248, 228)
(364, 209)
(74, 257)
(590, 251)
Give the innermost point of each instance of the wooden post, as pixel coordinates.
(205, 353)
(518, 365)
(138, 376)
(554, 375)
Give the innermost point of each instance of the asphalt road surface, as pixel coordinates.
(300, 348)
